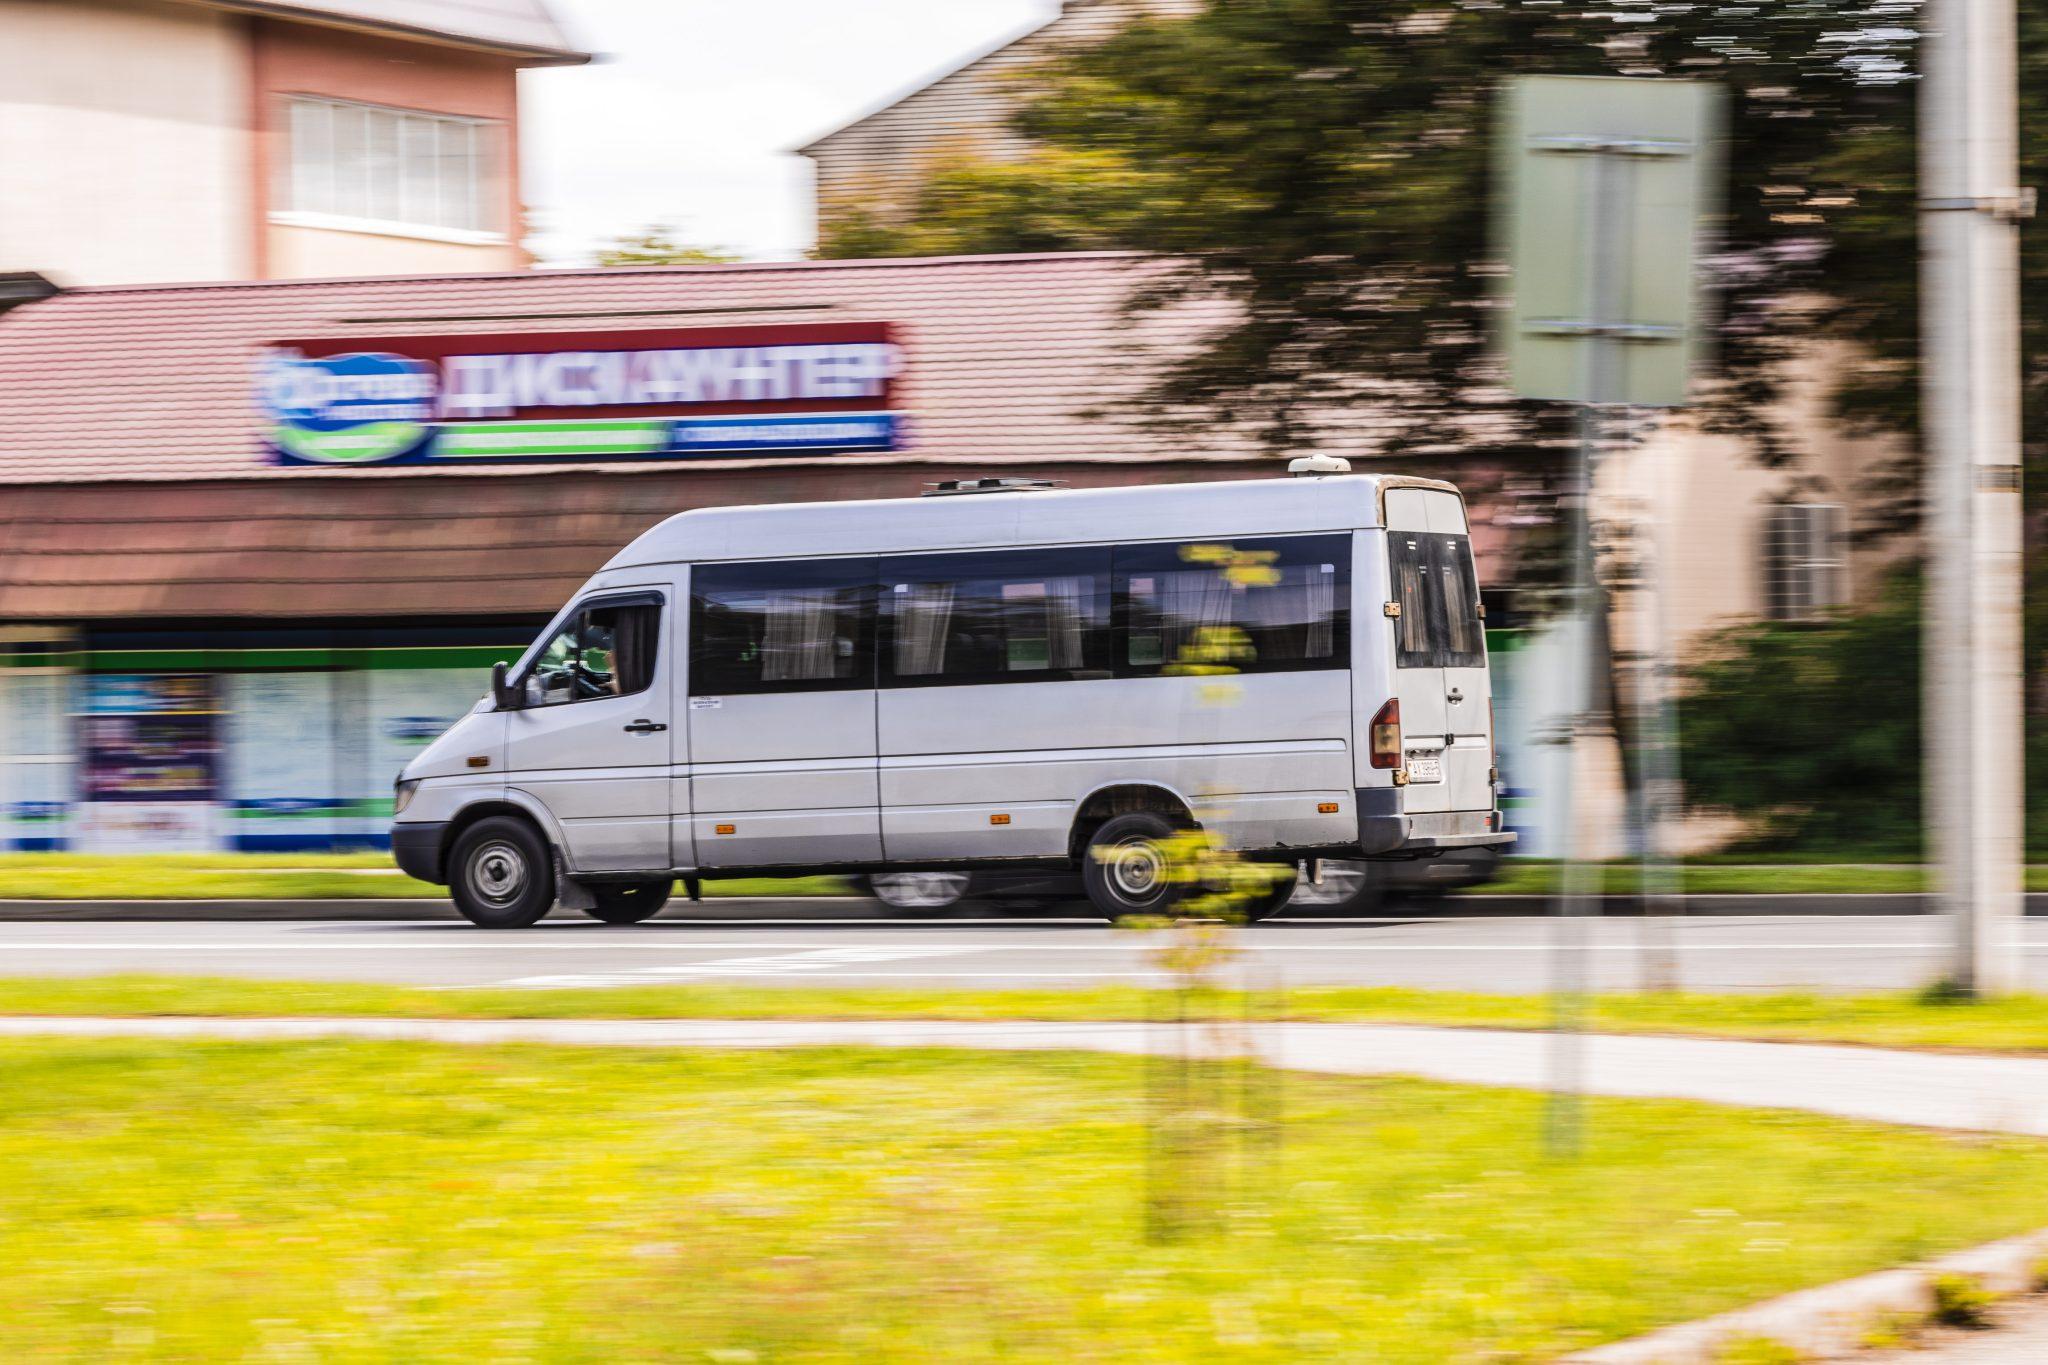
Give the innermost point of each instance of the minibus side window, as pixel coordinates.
(1006, 617)
(1254, 605)
(803, 626)
(604, 650)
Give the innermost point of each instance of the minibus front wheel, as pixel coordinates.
(501, 874)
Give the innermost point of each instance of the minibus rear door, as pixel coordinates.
(1440, 674)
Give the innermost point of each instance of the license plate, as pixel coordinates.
(1425, 767)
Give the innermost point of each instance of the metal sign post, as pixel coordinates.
(1607, 180)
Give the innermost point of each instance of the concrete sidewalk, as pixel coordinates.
(1935, 1090)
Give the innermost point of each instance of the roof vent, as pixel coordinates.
(1315, 466)
(948, 488)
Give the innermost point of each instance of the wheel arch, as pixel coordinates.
(1121, 798)
(516, 804)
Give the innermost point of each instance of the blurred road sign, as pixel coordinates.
(1608, 181)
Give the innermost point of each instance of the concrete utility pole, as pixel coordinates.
(1973, 721)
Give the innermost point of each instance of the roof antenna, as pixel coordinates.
(1315, 466)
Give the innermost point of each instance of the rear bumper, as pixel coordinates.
(1384, 828)
(416, 848)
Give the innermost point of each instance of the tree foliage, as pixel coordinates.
(1812, 731)
(1326, 165)
(657, 245)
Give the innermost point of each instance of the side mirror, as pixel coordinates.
(503, 695)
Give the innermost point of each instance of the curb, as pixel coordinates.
(424, 909)
(1832, 1319)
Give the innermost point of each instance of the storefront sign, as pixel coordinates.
(656, 394)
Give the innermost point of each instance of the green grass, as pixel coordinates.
(274, 876)
(2019, 1024)
(1717, 877)
(355, 876)
(359, 1202)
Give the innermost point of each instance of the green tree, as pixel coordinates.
(657, 245)
(1326, 165)
(1811, 731)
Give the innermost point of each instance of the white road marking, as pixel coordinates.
(779, 964)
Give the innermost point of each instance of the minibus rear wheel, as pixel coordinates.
(1127, 867)
(1269, 900)
(501, 874)
(629, 902)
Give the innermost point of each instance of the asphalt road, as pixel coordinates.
(1714, 953)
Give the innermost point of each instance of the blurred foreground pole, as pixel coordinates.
(1973, 716)
(1607, 182)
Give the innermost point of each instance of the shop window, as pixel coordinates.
(608, 649)
(1014, 616)
(1805, 546)
(787, 627)
(1244, 606)
(370, 165)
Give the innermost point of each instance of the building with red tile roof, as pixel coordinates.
(178, 510)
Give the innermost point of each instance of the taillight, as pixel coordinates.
(1386, 735)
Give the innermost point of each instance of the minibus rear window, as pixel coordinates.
(1439, 624)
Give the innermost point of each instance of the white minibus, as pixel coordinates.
(1006, 677)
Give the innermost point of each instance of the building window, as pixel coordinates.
(1804, 547)
(409, 171)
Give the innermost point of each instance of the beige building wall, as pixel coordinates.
(306, 253)
(1700, 504)
(876, 163)
(108, 106)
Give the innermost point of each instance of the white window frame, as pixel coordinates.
(485, 155)
(1806, 560)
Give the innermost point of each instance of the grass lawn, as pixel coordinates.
(389, 1201)
(354, 876)
(2018, 1024)
(1531, 878)
(274, 876)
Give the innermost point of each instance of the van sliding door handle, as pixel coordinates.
(644, 727)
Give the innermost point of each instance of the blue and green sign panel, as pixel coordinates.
(658, 394)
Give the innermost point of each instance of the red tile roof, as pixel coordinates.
(1017, 359)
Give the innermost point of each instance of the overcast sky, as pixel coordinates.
(688, 115)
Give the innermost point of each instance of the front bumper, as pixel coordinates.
(416, 848)
(1383, 827)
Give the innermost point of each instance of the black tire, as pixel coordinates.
(629, 902)
(1125, 871)
(1348, 889)
(922, 894)
(502, 874)
(1269, 902)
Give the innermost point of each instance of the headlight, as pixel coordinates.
(401, 794)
